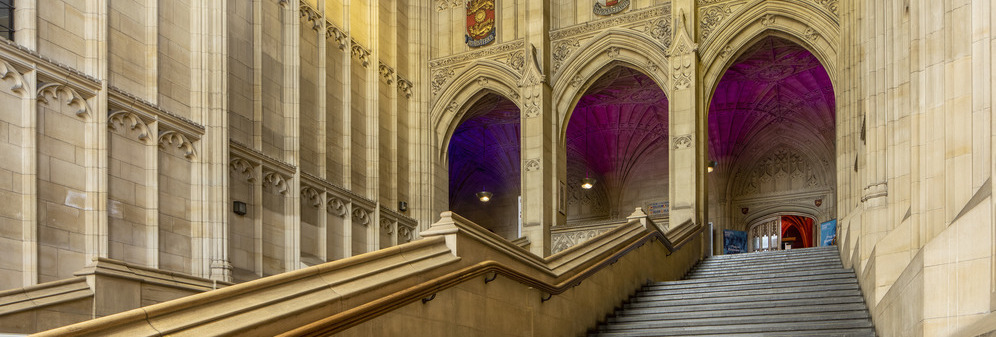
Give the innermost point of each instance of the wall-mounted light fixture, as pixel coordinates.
(239, 207)
(712, 166)
(402, 206)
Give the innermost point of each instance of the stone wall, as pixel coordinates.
(130, 128)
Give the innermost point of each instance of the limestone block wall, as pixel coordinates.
(130, 127)
(915, 161)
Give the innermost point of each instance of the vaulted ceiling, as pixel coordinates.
(484, 150)
(619, 121)
(776, 94)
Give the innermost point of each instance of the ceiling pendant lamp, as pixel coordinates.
(484, 195)
(588, 182)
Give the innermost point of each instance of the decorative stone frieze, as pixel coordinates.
(712, 16)
(7, 71)
(124, 121)
(335, 206)
(812, 34)
(243, 168)
(439, 78)
(361, 216)
(386, 73)
(561, 50)
(681, 142)
(442, 5)
(682, 54)
(70, 96)
(275, 182)
(491, 53)
(312, 196)
(310, 15)
(532, 164)
(333, 32)
(767, 20)
(361, 54)
(173, 139)
(404, 86)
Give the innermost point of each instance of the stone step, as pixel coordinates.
(777, 253)
(759, 270)
(750, 298)
(768, 276)
(744, 328)
(625, 316)
(769, 262)
(668, 290)
(746, 292)
(857, 332)
(760, 317)
(658, 308)
(705, 283)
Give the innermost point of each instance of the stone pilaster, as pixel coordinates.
(539, 181)
(688, 152)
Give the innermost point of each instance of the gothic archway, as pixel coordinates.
(483, 165)
(772, 134)
(616, 139)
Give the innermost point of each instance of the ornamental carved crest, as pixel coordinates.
(480, 22)
(609, 7)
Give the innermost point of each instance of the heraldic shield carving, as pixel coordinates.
(480, 22)
(609, 7)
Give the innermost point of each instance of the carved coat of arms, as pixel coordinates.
(480, 22)
(609, 7)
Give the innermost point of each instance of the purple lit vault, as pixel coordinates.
(617, 134)
(484, 154)
(777, 92)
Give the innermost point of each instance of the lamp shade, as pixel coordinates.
(587, 183)
(484, 196)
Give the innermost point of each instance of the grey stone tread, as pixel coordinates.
(801, 292)
(765, 271)
(735, 282)
(746, 292)
(763, 276)
(626, 316)
(761, 318)
(860, 332)
(655, 307)
(828, 263)
(746, 286)
(758, 328)
(748, 298)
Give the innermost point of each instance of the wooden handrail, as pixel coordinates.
(344, 320)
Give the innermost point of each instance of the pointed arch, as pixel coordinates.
(480, 78)
(614, 47)
(801, 23)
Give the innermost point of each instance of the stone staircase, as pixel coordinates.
(799, 292)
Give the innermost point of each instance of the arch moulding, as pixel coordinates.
(801, 23)
(615, 46)
(480, 78)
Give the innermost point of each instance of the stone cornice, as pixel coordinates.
(659, 11)
(477, 54)
(119, 99)
(259, 158)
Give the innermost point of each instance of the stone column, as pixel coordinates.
(688, 153)
(538, 174)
